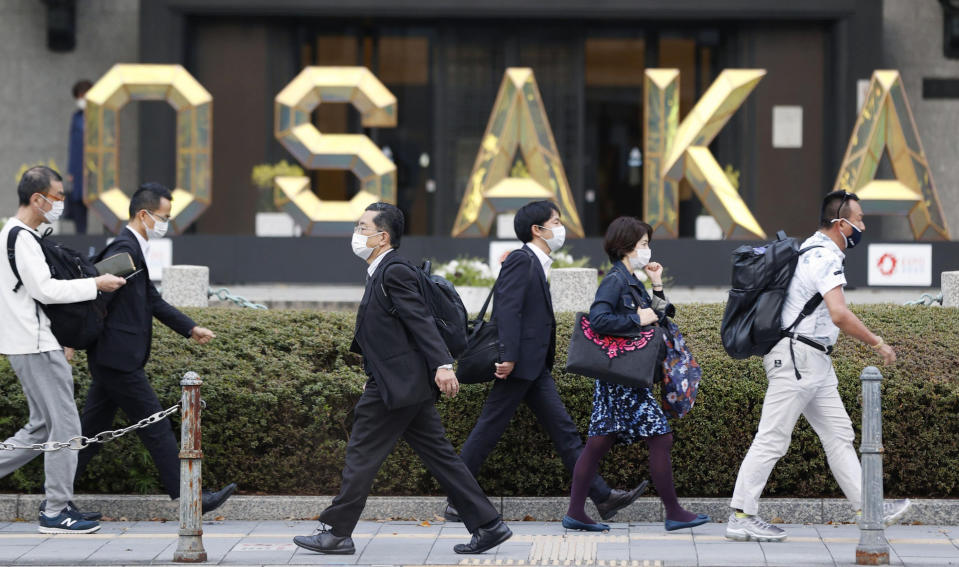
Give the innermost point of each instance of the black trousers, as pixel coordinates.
(376, 430)
(131, 392)
(542, 398)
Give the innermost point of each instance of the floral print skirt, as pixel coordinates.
(630, 413)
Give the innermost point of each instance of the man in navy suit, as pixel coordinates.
(407, 365)
(523, 308)
(118, 358)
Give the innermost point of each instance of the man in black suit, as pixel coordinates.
(118, 358)
(408, 365)
(523, 308)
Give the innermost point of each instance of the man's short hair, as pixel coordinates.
(37, 179)
(81, 87)
(622, 236)
(535, 213)
(389, 218)
(835, 206)
(148, 198)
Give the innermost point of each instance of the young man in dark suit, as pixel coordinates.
(523, 308)
(118, 358)
(408, 365)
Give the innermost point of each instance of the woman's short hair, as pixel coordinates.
(622, 236)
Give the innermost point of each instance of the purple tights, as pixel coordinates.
(660, 470)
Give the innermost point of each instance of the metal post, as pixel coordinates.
(873, 549)
(190, 543)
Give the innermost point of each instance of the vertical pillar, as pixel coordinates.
(190, 543)
(873, 549)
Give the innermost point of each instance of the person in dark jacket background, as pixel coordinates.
(620, 413)
(118, 358)
(76, 210)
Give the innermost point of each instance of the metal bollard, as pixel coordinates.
(190, 542)
(873, 549)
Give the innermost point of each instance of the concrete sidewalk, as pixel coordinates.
(412, 543)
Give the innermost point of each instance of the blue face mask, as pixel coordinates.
(853, 239)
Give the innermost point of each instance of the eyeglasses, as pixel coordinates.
(359, 228)
(51, 197)
(159, 218)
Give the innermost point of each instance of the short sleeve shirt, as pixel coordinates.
(818, 270)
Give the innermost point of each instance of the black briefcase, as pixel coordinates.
(629, 361)
(477, 363)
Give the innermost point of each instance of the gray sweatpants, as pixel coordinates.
(47, 382)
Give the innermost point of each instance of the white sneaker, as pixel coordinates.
(752, 528)
(892, 511)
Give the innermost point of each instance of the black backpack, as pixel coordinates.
(75, 325)
(752, 321)
(445, 304)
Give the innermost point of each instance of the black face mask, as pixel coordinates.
(853, 239)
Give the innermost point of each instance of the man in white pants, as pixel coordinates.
(801, 377)
(34, 353)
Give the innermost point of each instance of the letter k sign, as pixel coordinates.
(676, 151)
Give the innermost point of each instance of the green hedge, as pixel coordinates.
(280, 386)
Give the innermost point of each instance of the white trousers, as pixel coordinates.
(816, 397)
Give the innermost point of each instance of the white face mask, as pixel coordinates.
(642, 257)
(159, 228)
(359, 244)
(559, 237)
(53, 215)
(82, 103)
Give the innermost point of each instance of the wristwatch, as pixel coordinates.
(445, 367)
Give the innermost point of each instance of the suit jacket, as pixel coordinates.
(397, 336)
(523, 308)
(124, 344)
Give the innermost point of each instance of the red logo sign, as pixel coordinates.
(886, 264)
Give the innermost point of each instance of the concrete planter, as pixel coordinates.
(473, 297)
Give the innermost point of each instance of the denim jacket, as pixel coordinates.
(614, 310)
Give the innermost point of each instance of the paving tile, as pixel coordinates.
(125, 550)
(10, 552)
(306, 557)
(64, 549)
(927, 561)
(796, 553)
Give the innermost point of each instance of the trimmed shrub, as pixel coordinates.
(280, 387)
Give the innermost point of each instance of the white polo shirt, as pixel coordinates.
(818, 270)
(26, 328)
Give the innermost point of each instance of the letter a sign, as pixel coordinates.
(885, 124)
(517, 161)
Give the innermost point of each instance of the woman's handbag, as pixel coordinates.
(483, 351)
(681, 373)
(629, 361)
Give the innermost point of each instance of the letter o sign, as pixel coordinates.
(194, 122)
(355, 152)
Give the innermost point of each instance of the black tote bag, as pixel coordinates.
(483, 349)
(629, 361)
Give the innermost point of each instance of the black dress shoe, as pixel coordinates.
(619, 499)
(485, 539)
(326, 542)
(87, 516)
(213, 500)
(450, 514)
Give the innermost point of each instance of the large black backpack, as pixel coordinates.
(75, 325)
(752, 321)
(445, 305)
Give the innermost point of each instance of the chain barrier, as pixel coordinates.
(81, 442)
(926, 299)
(223, 294)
